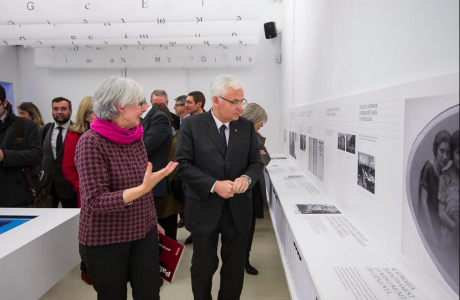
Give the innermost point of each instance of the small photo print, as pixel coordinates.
(303, 142)
(292, 139)
(315, 209)
(341, 141)
(351, 143)
(366, 172)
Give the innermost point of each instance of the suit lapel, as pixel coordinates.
(48, 136)
(233, 138)
(211, 130)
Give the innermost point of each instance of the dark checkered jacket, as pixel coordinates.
(107, 169)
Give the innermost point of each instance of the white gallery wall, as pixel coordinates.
(9, 68)
(335, 48)
(348, 59)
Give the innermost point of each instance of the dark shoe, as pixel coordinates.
(188, 240)
(85, 277)
(250, 269)
(181, 223)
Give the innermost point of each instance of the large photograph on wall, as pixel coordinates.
(432, 182)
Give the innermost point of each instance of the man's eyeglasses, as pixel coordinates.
(179, 105)
(235, 102)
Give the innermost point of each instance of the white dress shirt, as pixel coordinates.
(55, 133)
(182, 119)
(3, 118)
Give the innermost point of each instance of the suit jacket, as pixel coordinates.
(158, 140)
(14, 189)
(175, 121)
(260, 197)
(52, 167)
(202, 162)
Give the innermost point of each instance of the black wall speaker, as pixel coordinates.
(270, 30)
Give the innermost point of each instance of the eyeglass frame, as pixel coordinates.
(235, 102)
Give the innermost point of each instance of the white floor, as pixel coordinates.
(270, 284)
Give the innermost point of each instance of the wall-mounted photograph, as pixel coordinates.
(351, 143)
(341, 141)
(366, 172)
(303, 142)
(432, 186)
(292, 139)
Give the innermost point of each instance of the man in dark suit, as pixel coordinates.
(53, 137)
(219, 160)
(14, 189)
(160, 97)
(158, 139)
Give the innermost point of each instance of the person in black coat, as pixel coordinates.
(219, 158)
(158, 140)
(257, 115)
(14, 189)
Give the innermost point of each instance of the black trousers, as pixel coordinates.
(251, 237)
(66, 203)
(169, 224)
(205, 260)
(111, 266)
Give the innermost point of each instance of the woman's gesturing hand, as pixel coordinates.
(152, 178)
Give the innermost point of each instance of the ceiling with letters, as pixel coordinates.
(99, 34)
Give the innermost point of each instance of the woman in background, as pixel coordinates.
(85, 116)
(257, 115)
(118, 230)
(428, 216)
(28, 110)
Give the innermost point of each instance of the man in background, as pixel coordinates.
(180, 109)
(14, 189)
(53, 136)
(194, 104)
(182, 113)
(158, 141)
(160, 97)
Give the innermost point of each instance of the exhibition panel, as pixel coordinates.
(366, 190)
(38, 253)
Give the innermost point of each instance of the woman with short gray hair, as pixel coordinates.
(257, 115)
(118, 221)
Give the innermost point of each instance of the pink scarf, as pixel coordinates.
(116, 134)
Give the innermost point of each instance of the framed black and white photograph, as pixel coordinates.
(341, 141)
(351, 143)
(432, 186)
(303, 142)
(292, 139)
(315, 209)
(366, 172)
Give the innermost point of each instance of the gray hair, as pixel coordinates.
(116, 90)
(222, 82)
(159, 93)
(181, 99)
(255, 113)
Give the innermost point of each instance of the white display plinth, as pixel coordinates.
(326, 256)
(37, 254)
